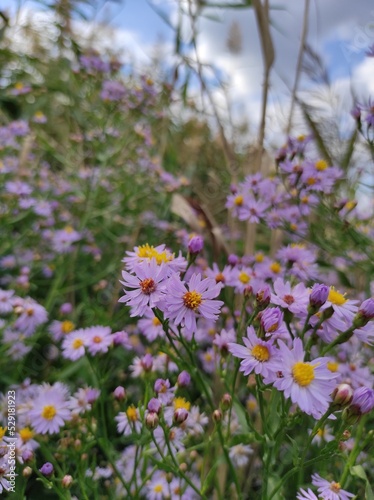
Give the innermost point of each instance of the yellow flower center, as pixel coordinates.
(311, 181)
(293, 227)
(244, 278)
(156, 321)
(321, 165)
(131, 413)
(305, 200)
(149, 252)
(350, 205)
(301, 138)
(68, 229)
(67, 326)
(18, 86)
(321, 433)
(259, 257)
(2, 432)
(208, 357)
(335, 487)
(336, 297)
(275, 267)
(261, 353)
(239, 200)
(181, 403)
(333, 366)
(192, 300)
(157, 488)
(77, 343)
(303, 373)
(97, 339)
(49, 411)
(39, 114)
(26, 434)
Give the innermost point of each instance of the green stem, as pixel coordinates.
(354, 452)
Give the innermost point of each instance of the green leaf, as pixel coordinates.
(358, 471)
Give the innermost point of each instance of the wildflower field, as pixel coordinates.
(185, 312)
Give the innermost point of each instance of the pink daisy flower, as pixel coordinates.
(128, 421)
(73, 345)
(185, 304)
(330, 490)
(257, 355)
(98, 339)
(31, 316)
(148, 287)
(308, 384)
(50, 410)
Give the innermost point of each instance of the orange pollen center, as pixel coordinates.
(335, 487)
(311, 181)
(49, 412)
(30, 312)
(26, 434)
(239, 200)
(220, 278)
(97, 339)
(148, 286)
(192, 300)
(261, 353)
(67, 326)
(132, 414)
(156, 321)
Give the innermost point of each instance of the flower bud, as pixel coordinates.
(66, 308)
(147, 362)
(364, 314)
(363, 400)
(184, 379)
(151, 420)
(318, 296)
(46, 469)
(342, 395)
(67, 481)
(119, 393)
(226, 402)
(327, 313)
(180, 415)
(195, 245)
(154, 406)
(27, 471)
(217, 415)
(233, 259)
(263, 297)
(346, 435)
(247, 292)
(27, 455)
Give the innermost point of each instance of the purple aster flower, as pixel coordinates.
(148, 286)
(294, 299)
(98, 339)
(257, 355)
(146, 253)
(253, 210)
(222, 340)
(73, 345)
(330, 490)
(150, 326)
(31, 316)
(128, 421)
(308, 384)
(239, 454)
(184, 304)
(154, 405)
(50, 409)
(165, 393)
